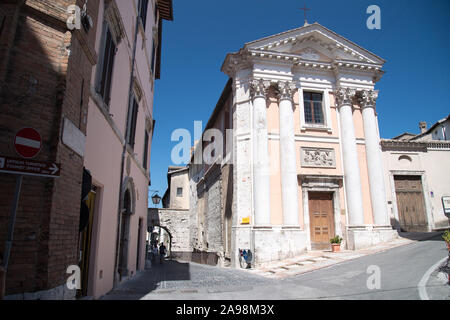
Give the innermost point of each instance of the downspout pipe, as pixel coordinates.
(124, 151)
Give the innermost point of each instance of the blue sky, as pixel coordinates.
(413, 39)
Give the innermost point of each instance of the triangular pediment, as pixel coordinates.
(316, 43)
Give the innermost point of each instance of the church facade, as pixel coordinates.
(306, 162)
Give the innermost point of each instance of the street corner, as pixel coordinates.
(438, 286)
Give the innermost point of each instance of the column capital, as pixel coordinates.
(259, 88)
(367, 98)
(285, 90)
(344, 96)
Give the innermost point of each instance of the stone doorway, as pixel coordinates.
(410, 203)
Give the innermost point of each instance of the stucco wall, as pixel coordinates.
(434, 168)
(179, 180)
(105, 139)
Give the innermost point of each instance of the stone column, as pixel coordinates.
(288, 156)
(352, 176)
(261, 168)
(367, 99)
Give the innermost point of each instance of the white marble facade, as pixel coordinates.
(313, 58)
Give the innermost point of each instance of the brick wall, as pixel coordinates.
(41, 84)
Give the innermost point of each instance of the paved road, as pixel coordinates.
(401, 269)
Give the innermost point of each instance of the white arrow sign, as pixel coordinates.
(54, 169)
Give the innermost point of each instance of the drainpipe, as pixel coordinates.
(124, 151)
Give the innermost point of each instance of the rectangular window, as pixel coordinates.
(106, 66)
(153, 57)
(146, 142)
(131, 123)
(179, 192)
(143, 11)
(313, 103)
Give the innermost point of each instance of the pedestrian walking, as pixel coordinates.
(154, 252)
(162, 252)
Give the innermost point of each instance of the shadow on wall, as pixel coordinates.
(159, 276)
(32, 93)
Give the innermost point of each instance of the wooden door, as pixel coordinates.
(86, 240)
(321, 215)
(410, 203)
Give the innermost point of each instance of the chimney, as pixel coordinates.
(423, 127)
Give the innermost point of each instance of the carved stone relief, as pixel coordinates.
(318, 157)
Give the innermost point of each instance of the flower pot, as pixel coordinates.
(448, 246)
(336, 247)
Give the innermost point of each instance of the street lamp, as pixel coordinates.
(156, 199)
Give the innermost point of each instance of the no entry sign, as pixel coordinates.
(28, 143)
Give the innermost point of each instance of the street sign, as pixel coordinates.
(446, 204)
(28, 143)
(29, 167)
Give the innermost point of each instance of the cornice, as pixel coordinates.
(246, 59)
(235, 62)
(372, 69)
(422, 146)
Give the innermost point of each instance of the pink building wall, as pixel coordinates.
(274, 155)
(104, 149)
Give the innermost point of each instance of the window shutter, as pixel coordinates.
(153, 57)
(98, 81)
(143, 12)
(146, 142)
(109, 69)
(131, 123)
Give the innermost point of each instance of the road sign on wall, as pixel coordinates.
(29, 167)
(28, 143)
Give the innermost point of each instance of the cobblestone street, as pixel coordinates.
(174, 277)
(317, 275)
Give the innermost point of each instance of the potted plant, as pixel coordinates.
(446, 238)
(336, 243)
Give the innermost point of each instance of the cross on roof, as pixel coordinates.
(305, 9)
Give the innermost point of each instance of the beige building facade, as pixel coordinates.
(177, 193)
(418, 178)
